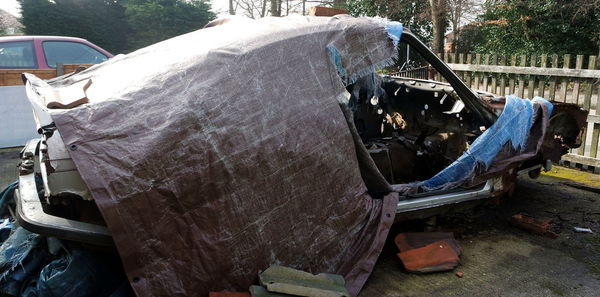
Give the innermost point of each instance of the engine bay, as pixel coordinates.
(411, 128)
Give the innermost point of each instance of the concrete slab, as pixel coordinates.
(502, 260)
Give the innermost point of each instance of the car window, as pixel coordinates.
(18, 54)
(71, 53)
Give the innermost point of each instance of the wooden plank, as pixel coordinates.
(461, 60)
(469, 74)
(581, 149)
(494, 75)
(12, 77)
(564, 81)
(576, 85)
(486, 61)
(552, 87)
(521, 92)
(596, 130)
(477, 62)
(558, 72)
(542, 84)
(531, 83)
(437, 75)
(503, 75)
(593, 118)
(511, 82)
(68, 68)
(595, 136)
(581, 160)
(587, 100)
(598, 101)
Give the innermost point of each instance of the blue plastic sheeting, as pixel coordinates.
(336, 58)
(394, 30)
(29, 269)
(20, 260)
(512, 125)
(32, 265)
(79, 273)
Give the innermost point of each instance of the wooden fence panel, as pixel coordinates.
(549, 76)
(531, 84)
(12, 77)
(521, 78)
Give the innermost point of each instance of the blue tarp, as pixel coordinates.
(32, 265)
(513, 125)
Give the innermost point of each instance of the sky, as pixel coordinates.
(12, 7)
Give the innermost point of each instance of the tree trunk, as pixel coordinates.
(438, 19)
(276, 8)
(263, 10)
(231, 7)
(303, 7)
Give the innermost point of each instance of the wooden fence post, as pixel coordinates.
(554, 79)
(578, 65)
(564, 84)
(502, 77)
(469, 74)
(494, 75)
(521, 78)
(486, 61)
(477, 62)
(531, 84)
(511, 82)
(542, 85)
(587, 99)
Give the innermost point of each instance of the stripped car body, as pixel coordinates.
(396, 134)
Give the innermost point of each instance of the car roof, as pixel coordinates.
(39, 37)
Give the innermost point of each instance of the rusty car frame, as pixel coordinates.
(59, 203)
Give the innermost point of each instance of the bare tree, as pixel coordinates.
(458, 12)
(261, 8)
(251, 8)
(439, 12)
(275, 7)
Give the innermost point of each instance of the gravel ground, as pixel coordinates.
(9, 158)
(501, 260)
(498, 259)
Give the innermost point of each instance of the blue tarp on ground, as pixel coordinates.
(32, 265)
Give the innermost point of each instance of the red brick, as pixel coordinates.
(437, 256)
(532, 225)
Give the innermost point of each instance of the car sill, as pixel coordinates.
(445, 199)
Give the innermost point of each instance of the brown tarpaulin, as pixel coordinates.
(220, 152)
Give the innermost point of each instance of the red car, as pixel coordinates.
(43, 52)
